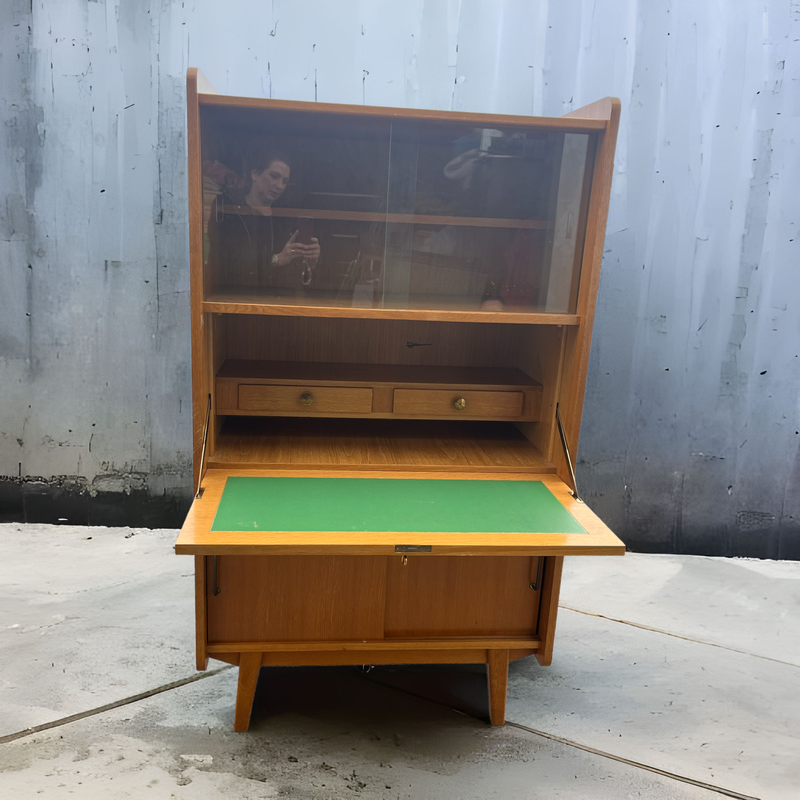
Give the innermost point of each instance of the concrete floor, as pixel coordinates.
(673, 677)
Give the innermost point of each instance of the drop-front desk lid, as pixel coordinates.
(379, 513)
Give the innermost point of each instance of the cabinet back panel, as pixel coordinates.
(366, 341)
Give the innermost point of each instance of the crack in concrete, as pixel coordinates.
(638, 764)
(56, 723)
(550, 736)
(678, 636)
(586, 748)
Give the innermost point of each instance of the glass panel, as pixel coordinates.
(296, 214)
(334, 210)
(484, 219)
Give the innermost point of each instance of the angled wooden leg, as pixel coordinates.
(497, 669)
(249, 667)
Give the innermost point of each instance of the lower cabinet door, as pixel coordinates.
(296, 598)
(369, 598)
(461, 596)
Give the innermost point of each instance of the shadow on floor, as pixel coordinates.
(336, 691)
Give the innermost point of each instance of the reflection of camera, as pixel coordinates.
(497, 144)
(305, 231)
(507, 146)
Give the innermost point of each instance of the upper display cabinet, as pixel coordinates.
(345, 208)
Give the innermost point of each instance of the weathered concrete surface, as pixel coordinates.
(711, 714)
(699, 598)
(327, 734)
(691, 437)
(89, 616)
(699, 710)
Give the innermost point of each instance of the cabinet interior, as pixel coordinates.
(388, 371)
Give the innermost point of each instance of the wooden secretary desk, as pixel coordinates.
(391, 320)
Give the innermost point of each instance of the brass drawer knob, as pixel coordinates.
(460, 404)
(306, 399)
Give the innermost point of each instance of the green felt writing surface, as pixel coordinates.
(390, 504)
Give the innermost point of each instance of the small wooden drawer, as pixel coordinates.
(304, 399)
(445, 403)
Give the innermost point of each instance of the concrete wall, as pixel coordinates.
(689, 440)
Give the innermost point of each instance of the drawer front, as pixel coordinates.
(446, 403)
(323, 399)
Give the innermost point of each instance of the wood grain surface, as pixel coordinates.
(497, 675)
(238, 300)
(374, 342)
(454, 445)
(200, 615)
(249, 668)
(289, 399)
(515, 643)
(297, 598)
(427, 376)
(450, 596)
(548, 610)
(275, 387)
(579, 340)
(441, 402)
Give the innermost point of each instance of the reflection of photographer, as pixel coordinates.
(269, 177)
(254, 246)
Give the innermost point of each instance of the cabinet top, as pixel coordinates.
(594, 117)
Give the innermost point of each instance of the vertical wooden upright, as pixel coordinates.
(579, 340)
(200, 382)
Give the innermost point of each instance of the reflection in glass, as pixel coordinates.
(327, 210)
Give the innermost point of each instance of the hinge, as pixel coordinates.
(216, 590)
(539, 570)
(565, 445)
(199, 491)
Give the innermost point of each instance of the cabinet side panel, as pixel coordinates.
(200, 379)
(579, 341)
(215, 342)
(548, 609)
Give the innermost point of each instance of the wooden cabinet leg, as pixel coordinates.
(249, 667)
(497, 670)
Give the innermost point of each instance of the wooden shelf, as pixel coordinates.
(427, 445)
(378, 216)
(324, 373)
(431, 308)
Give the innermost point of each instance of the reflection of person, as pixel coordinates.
(252, 246)
(269, 178)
